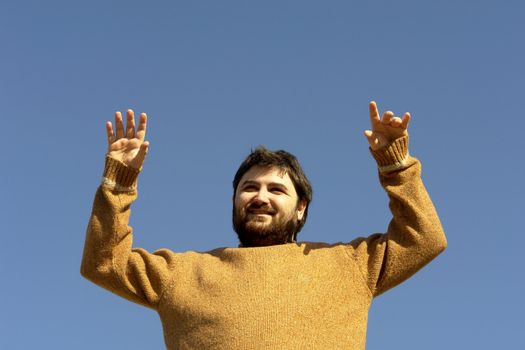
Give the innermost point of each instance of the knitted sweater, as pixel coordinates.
(291, 296)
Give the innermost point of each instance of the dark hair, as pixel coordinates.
(284, 161)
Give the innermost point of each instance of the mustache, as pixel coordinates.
(255, 208)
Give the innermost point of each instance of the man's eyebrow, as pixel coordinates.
(249, 182)
(255, 183)
(278, 184)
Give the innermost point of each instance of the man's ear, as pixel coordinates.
(301, 207)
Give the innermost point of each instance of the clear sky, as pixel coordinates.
(218, 78)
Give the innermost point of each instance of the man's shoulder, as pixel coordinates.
(351, 245)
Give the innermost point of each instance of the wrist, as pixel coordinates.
(118, 176)
(393, 156)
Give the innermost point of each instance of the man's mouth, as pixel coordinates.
(261, 211)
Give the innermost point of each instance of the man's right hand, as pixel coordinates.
(128, 145)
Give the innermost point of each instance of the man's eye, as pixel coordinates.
(250, 188)
(277, 190)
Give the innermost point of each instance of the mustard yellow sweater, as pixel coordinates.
(292, 296)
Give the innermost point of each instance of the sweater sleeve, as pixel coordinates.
(109, 259)
(414, 236)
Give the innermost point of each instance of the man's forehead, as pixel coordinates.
(259, 172)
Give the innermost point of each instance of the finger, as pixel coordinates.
(119, 125)
(372, 140)
(406, 119)
(141, 131)
(387, 116)
(395, 122)
(130, 124)
(374, 113)
(141, 155)
(109, 131)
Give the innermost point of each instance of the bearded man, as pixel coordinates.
(271, 292)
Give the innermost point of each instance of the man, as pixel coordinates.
(271, 292)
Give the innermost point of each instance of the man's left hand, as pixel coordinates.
(387, 129)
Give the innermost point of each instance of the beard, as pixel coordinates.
(256, 233)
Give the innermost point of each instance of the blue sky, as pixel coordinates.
(218, 78)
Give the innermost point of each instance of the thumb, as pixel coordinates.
(141, 155)
(372, 139)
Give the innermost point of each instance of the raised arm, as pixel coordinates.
(414, 236)
(109, 259)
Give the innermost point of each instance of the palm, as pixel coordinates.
(387, 129)
(125, 150)
(387, 133)
(128, 145)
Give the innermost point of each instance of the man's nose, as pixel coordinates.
(262, 196)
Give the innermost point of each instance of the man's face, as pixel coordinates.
(265, 207)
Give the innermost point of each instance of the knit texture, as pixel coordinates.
(293, 296)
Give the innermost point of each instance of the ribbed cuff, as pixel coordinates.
(393, 157)
(118, 176)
